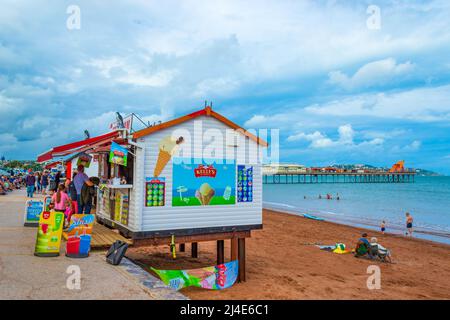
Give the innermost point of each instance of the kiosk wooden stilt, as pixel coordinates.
(194, 250)
(220, 251)
(241, 256)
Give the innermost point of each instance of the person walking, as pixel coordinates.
(409, 224)
(44, 182)
(38, 182)
(79, 180)
(30, 181)
(57, 181)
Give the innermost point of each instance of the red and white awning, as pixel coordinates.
(91, 144)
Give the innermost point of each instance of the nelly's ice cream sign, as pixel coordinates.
(200, 183)
(205, 171)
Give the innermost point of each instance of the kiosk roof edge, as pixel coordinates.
(208, 112)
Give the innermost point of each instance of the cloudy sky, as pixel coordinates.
(339, 89)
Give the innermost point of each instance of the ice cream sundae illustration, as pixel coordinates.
(204, 194)
(167, 148)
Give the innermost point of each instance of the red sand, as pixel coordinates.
(281, 264)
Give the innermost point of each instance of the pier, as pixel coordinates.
(338, 177)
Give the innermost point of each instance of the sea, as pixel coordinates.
(368, 204)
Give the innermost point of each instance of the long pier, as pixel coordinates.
(331, 177)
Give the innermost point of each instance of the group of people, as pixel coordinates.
(41, 183)
(330, 197)
(8, 184)
(327, 196)
(371, 249)
(76, 195)
(409, 225)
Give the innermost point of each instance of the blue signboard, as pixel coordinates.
(33, 210)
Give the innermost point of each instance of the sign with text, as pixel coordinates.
(33, 210)
(49, 233)
(200, 183)
(79, 235)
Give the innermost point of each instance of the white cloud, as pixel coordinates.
(412, 147)
(346, 133)
(422, 104)
(371, 74)
(122, 71)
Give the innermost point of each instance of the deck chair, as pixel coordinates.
(375, 252)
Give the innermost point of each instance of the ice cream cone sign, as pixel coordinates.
(204, 194)
(168, 146)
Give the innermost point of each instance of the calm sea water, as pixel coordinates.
(366, 205)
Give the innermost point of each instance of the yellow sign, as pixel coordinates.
(48, 238)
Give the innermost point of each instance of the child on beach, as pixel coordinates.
(383, 226)
(409, 224)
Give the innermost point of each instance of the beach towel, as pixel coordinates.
(338, 248)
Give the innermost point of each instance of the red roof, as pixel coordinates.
(203, 112)
(78, 146)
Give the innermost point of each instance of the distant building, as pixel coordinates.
(283, 168)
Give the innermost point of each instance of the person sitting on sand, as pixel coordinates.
(409, 224)
(362, 246)
(378, 251)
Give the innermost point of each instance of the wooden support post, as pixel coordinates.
(182, 247)
(194, 250)
(220, 251)
(241, 256)
(234, 249)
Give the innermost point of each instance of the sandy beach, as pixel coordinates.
(284, 263)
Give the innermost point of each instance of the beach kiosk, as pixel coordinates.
(191, 179)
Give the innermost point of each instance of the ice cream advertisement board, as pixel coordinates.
(33, 211)
(49, 233)
(118, 154)
(198, 182)
(79, 235)
(245, 183)
(84, 160)
(155, 190)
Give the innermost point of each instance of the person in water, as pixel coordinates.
(320, 196)
(409, 224)
(383, 226)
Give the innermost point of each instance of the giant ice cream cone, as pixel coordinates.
(167, 148)
(163, 159)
